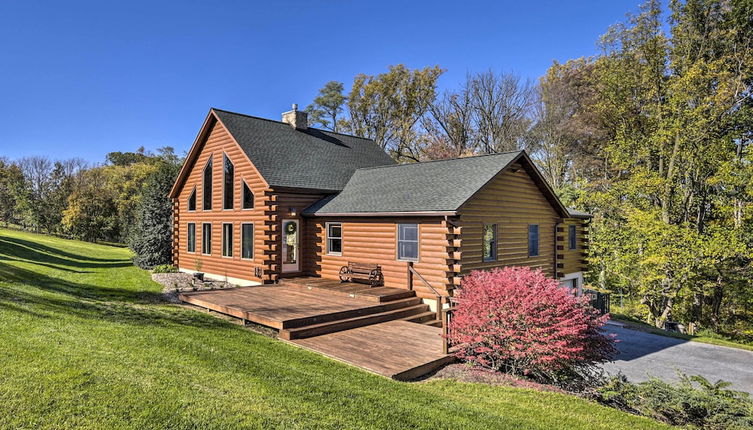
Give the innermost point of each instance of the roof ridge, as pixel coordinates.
(282, 122)
(418, 163)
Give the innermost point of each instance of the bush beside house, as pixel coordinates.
(519, 321)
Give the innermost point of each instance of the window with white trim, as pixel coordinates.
(207, 185)
(227, 240)
(192, 200)
(407, 242)
(572, 237)
(334, 238)
(247, 241)
(191, 240)
(490, 242)
(206, 238)
(248, 197)
(228, 182)
(533, 240)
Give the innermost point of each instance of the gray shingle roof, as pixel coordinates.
(312, 159)
(419, 187)
(575, 213)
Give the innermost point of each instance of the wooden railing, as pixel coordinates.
(443, 315)
(446, 318)
(412, 272)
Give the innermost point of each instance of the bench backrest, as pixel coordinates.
(362, 267)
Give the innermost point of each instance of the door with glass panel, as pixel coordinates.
(291, 246)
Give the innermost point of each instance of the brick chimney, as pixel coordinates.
(299, 120)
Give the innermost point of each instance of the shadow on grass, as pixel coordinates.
(41, 254)
(39, 295)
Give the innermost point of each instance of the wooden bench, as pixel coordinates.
(368, 272)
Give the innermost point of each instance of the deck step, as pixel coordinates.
(433, 323)
(352, 313)
(344, 324)
(421, 318)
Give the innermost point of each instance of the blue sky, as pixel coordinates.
(80, 79)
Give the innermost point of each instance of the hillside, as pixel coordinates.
(87, 343)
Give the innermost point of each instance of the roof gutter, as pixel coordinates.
(365, 214)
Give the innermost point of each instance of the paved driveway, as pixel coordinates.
(644, 354)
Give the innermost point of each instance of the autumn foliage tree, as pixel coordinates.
(519, 321)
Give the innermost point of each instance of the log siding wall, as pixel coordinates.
(374, 240)
(512, 201)
(218, 142)
(572, 260)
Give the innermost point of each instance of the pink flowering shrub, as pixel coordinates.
(519, 321)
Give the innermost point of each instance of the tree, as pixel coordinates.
(490, 113)
(502, 104)
(11, 181)
(327, 107)
(152, 240)
(92, 210)
(388, 108)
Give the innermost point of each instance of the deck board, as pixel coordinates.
(352, 289)
(396, 349)
(273, 305)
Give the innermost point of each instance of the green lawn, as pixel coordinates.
(85, 343)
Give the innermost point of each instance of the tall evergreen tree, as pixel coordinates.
(151, 239)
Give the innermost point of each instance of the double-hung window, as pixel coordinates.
(407, 242)
(227, 240)
(334, 238)
(572, 237)
(191, 242)
(247, 241)
(533, 240)
(206, 238)
(490, 242)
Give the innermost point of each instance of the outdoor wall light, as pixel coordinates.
(293, 212)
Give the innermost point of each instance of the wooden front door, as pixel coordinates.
(291, 246)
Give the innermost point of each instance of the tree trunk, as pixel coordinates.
(666, 204)
(716, 302)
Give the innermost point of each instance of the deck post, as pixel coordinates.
(439, 308)
(445, 332)
(410, 276)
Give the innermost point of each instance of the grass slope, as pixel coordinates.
(86, 343)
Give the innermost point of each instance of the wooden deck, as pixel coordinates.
(349, 289)
(397, 349)
(278, 307)
(388, 331)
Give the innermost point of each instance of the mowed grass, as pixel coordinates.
(85, 342)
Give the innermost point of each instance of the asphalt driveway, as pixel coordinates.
(643, 355)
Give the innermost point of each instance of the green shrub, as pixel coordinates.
(164, 268)
(694, 401)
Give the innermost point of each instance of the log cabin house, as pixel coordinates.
(258, 201)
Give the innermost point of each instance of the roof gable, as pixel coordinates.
(434, 186)
(440, 187)
(305, 159)
(285, 157)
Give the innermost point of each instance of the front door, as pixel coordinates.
(291, 248)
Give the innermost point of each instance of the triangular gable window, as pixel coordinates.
(192, 200)
(248, 197)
